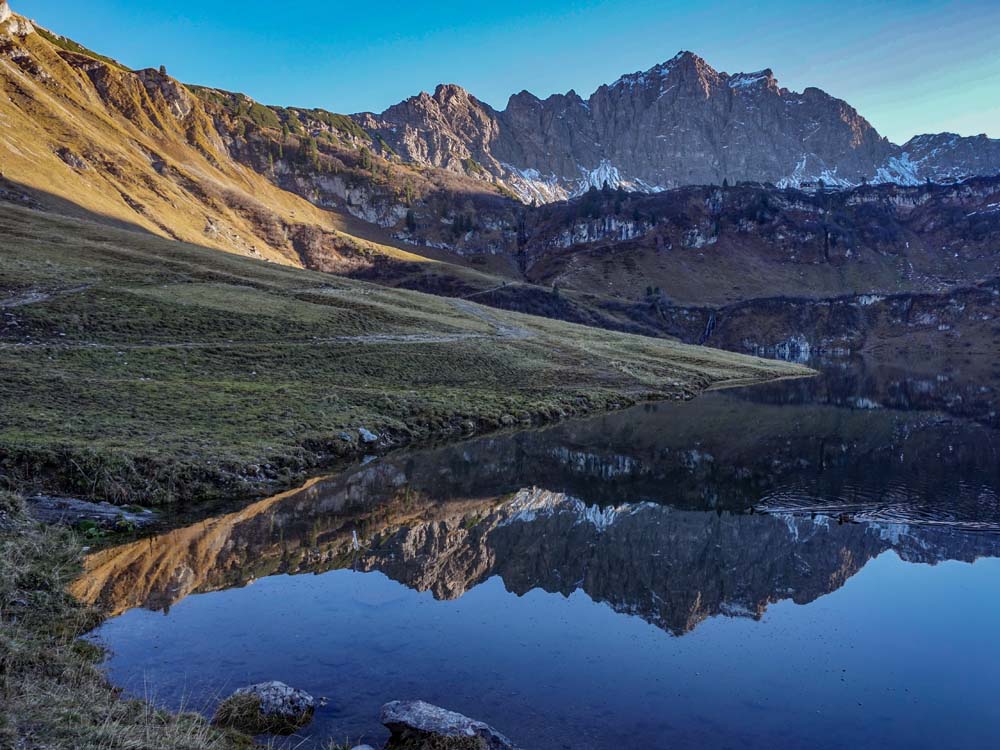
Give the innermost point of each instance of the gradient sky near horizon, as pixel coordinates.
(909, 66)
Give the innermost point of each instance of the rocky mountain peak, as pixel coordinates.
(681, 122)
(761, 79)
(446, 93)
(17, 25)
(684, 66)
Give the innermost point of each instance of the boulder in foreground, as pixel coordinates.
(416, 725)
(266, 708)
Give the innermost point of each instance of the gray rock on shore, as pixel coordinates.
(68, 511)
(416, 725)
(266, 708)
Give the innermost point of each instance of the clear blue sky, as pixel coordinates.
(909, 66)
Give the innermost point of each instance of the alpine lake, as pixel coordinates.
(807, 564)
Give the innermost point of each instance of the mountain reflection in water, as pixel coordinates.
(673, 514)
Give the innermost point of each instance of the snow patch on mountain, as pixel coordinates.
(901, 170)
(531, 186)
(749, 80)
(605, 174)
(608, 174)
(529, 505)
(810, 171)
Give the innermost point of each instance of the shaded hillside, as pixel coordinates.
(133, 364)
(718, 245)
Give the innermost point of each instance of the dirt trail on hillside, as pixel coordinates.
(24, 299)
(33, 298)
(501, 330)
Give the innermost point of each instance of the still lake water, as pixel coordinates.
(812, 564)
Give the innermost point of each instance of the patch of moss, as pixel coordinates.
(342, 123)
(473, 168)
(239, 106)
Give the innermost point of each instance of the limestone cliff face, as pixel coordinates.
(684, 123)
(679, 123)
(447, 129)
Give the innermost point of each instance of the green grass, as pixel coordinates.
(69, 45)
(473, 167)
(342, 123)
(160, 371)
(239, 106)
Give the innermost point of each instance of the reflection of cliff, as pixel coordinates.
(671, 567)
(966, 387)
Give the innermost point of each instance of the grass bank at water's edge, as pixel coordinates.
(53, 695)
(138, 369)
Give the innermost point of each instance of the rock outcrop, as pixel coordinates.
(416, 725)
(16, 25)
(70, 511)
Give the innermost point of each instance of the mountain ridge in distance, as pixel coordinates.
(681, 122)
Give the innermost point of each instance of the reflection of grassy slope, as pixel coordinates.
(153, 365)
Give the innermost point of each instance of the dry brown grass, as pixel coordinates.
(53, 696)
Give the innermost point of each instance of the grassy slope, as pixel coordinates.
(132, 365)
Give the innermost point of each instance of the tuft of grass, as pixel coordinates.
(52, 693)
(242, 713)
